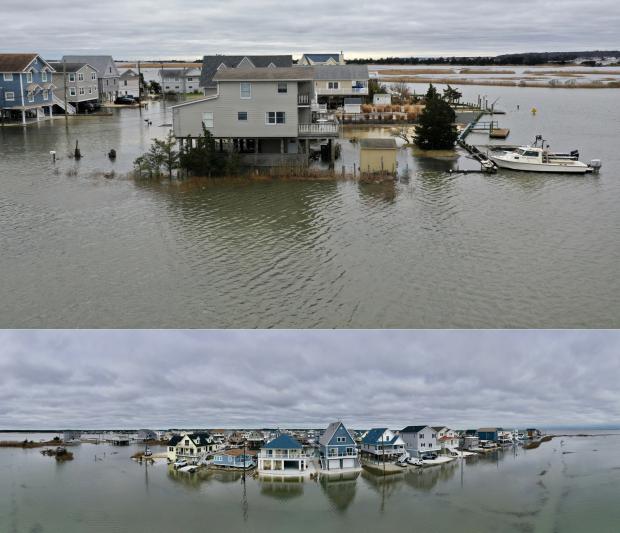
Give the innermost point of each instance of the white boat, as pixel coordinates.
(536, 159)
(72, 442)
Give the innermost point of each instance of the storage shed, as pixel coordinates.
(353, 105)
(382, 99)
(377, 156)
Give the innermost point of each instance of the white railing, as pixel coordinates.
(319, 108)
(318, 128)
(342, 90)
(283, 455)
(303, 99)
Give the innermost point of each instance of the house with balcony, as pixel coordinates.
(214, 63)
(26, 87)
(447, 438)
(334, 83)
(337, 449)
(283, 455)
(263, 114)
(180, 80)
(234, 459)
(311, 60)
(379, 443)
(107, 74)
(192, 447)
(420, 440)
(489, 434)
(76, 84)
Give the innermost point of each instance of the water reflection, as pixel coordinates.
(340, 490)
(426, 479)
(282, 488)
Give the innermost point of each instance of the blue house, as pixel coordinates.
(337, 449)
(283, 455)
(491, 434)
(26, 87)
(233, 460)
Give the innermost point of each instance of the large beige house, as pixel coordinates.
(191, 447)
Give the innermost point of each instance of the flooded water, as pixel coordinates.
(568, 485)
(79, 249)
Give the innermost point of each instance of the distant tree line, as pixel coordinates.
(530, 58)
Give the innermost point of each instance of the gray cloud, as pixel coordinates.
(98, 379)
(190, 29)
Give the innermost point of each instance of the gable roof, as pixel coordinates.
(129, 73)
(283, 442)
(15, 62)
(374, 435)
(174, 440)
(99, 63)
(210, 65)
(413, 429)
(341, 72)
(265, 74)
(328, 434)
(68, 67)
(321, 58)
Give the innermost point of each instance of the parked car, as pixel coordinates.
(180, 464)
(125, 100)
(430, 456)
(89, 107)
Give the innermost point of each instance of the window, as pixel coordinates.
(422, 435)
(190, 79)
(28, 77)
(82, 90)
(350, 451)
(71, 91)
(124, 83)
(333, 85)
(80, 76)
(44, 75)
(275, 117)
(71, 77)
(341, 439)
(242, 115)
(7, 76)
(45, 94)
(31, 97)
(93, 76)
(9, 96)
(207, 119)
(245, 89)
(282, 87)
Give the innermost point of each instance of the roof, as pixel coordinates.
(99, 63)
(489, 430)
(412, 429)
(59, 66)
(265, 74)
(210, 64)
(15, 62)
(380, 144)
(283, 442)
(373, 435)
(129, 73)
(438, 428)
(352, 101)
(330, 431)
(341, 72)
(174, 440)
(321, 58)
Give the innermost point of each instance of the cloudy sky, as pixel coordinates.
(162, 379)
(191, 28)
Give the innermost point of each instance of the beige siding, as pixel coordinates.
(187, 119)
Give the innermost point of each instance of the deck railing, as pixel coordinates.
(318, 129)
(303, 99)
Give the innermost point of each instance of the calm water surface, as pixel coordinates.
(567, 485)
(78, 249)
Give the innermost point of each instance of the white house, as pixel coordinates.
(379, 442)
(420, 440)
(192, 447)
(447, 438)
(284, 455)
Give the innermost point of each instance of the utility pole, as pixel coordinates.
(64, 81)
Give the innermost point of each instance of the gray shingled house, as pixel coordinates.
(107, 74)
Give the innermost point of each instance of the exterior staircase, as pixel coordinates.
(61, 103)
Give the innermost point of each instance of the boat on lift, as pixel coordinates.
(535, 158)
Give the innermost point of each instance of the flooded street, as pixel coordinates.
(568, 485)
(435, 249)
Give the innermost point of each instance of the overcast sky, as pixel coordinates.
(161, 379)
(189, 29)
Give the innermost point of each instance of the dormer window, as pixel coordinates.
(44, 75)
(29, 77)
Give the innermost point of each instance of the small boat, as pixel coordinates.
(536, 159)
(147, 452)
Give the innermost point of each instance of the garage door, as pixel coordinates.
(334, 463)
(348, 463)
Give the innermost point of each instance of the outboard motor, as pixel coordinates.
(596, 165)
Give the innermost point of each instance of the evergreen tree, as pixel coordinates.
(436, 129)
